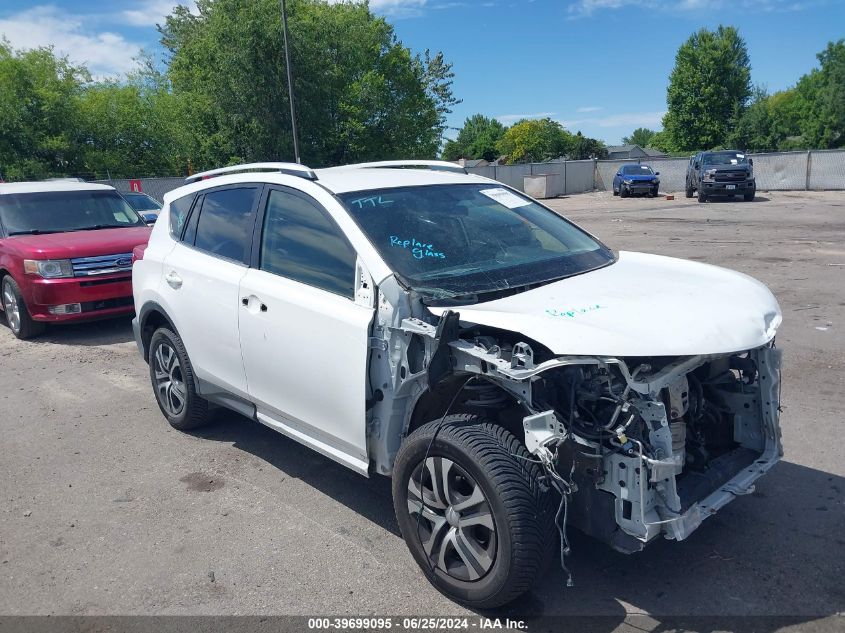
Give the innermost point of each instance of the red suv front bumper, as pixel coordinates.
(99, 296)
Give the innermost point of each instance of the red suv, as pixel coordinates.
(65, 253)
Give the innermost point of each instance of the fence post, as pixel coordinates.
(807, 175)
(595, 173)
(565, 163)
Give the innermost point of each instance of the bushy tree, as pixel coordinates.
(38, 112)
(708, 89)
(476, 139)
(821, 97)
(641, 136)
(360, 93)
(582, 147)
(534, 140)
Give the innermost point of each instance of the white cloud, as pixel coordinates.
(589, 109)
(104, 52)
(511, 118)
(583, 8)
(152, 12)
(624, 119)
(394, 8)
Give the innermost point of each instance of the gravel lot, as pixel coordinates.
(106, 510)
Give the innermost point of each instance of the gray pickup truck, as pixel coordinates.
(722, 173)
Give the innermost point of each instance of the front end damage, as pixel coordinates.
(649, 446)
(640, 446)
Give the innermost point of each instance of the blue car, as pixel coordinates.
(636, 179)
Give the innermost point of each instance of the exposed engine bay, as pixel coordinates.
(637, 447)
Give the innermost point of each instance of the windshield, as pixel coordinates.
(634, 170)
(62, 211)
(452, 240)
(725, 158)
(142, 202)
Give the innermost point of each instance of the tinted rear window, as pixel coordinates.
(225, 223)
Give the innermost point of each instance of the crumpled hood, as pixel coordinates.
(642, 305)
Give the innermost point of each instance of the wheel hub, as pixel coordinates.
(453, 517)
(13, 312)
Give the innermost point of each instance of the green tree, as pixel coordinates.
(582, 147)
(821, 99)
(360, 93)
(534, 140)
(641, 136)
(476, 139)
(708, 89)
(38, 113)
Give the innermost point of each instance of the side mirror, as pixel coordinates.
(618, 173)
(696, 165)
(657, 173)
(750, 161)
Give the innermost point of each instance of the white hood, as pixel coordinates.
(643, 305)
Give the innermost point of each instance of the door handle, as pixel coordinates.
(261, 305)
(173, 280)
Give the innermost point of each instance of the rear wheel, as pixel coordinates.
(471, 509)
(17, 315)
(172, 378)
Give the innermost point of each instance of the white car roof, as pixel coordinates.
(343, 180)
(51, 185)
(338, 180)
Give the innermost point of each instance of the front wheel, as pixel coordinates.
(172, 377)
(749, 197)
(701, 196)
(18, 318)
(472, 510)
(690, 192)
(623, 193)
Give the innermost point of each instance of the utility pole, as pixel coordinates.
(290, 83)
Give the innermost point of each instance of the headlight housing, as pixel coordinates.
(628, 181)
(710, 174)
(48, 268)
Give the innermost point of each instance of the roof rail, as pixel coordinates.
(436, 165)
(292, 169)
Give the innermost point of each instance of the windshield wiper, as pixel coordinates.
(97, 227)
(33, 232)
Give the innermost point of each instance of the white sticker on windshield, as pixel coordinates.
(740, 155)
(505, 197)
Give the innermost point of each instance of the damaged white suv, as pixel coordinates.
(510, 372)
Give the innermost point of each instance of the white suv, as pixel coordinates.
(510, 372)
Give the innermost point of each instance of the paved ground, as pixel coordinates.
(105, 510)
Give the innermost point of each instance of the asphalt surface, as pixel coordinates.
(106, 510)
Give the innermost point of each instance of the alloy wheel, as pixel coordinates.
(169, 379)
(12, 307)
(454, 519)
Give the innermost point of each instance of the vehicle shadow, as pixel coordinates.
(768, 560)
(94, 333)
(725, 199)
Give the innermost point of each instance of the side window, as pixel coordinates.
(300, 242)
(225, 223)
(178, 214)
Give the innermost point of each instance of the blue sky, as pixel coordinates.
(599, 66)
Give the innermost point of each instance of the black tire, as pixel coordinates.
(701, 196)
(23, 326)
(690, 192)
(623, 193)
(749, 197)
(165, 347)
(615, 193)
(513, 494)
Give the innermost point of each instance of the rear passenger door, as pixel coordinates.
(202, 276)
(303, 337)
